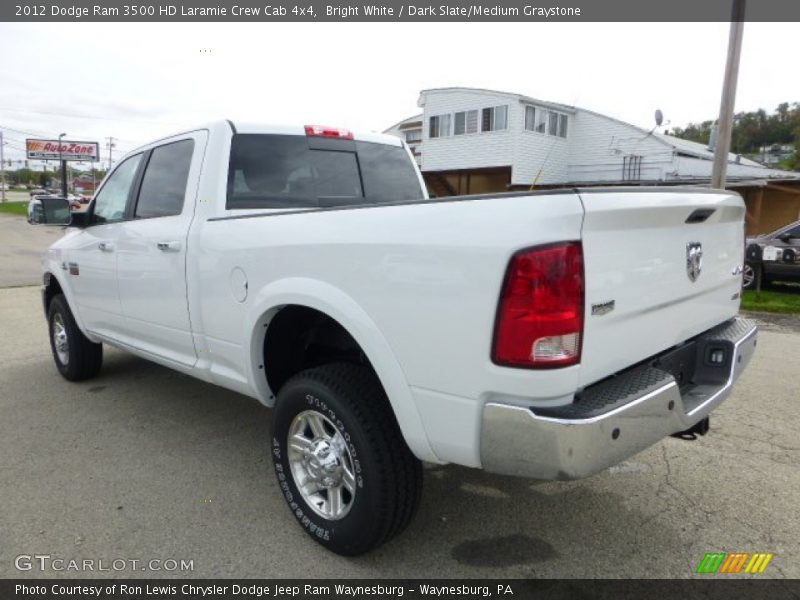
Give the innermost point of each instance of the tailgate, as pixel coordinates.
(660, 267)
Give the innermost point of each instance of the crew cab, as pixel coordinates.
(546, 334)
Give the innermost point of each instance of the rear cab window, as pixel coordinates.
(296, 171)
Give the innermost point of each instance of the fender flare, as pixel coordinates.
(335, 303)
(60, 277)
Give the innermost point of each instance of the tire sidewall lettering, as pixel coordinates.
(322, 407)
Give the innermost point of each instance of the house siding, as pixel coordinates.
(593, 152)
(470, 151)
(526, 152)
(598, 146)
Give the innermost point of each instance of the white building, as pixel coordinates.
(472, 141)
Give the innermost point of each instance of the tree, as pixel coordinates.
(753, 130)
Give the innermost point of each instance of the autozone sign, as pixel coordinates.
(66, 150)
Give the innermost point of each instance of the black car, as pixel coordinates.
(776, 253)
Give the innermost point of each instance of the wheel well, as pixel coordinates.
(51, 289)
(299, 338)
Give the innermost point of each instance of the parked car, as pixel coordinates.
(777, 254)
(38, 192)
(543, 334)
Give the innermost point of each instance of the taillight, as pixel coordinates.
(328, 132)
(540, 314)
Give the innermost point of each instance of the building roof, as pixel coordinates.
(701, 150)
(405, 122)
(520, 97)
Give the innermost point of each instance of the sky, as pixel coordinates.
(137, 82)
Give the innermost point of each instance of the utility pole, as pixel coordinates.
(63, 167)
(110, 145)
(2, 170)
(725, 123)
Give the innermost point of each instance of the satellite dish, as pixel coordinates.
(659, 117)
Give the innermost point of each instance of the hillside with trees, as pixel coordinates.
(752, 131)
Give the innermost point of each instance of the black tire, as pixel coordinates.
(388, 476)
(82, 358)
(753, 253)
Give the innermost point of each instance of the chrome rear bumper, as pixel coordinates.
(616, 418)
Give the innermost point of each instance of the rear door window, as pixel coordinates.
(294, 171)
(164, 183)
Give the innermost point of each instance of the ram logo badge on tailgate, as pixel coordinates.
(694, 260)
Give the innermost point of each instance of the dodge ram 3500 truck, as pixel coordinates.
(543, 334)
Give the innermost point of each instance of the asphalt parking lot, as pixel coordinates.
(21, 247)
(144, 463)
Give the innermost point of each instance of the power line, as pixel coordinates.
(22, 131)
(79, 116)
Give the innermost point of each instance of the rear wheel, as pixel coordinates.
(341, 461)
(76, 357)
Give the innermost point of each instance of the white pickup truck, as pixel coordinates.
(544, 334)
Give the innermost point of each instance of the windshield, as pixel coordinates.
(283, 171)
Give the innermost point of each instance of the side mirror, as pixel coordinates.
(49, 211)
(785, 237)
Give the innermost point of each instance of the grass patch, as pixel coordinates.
(771, 301)
(14, 208)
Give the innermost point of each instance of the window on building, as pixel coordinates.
(472, 121)
(413, 135)
(541, 121)
(494, 118)
(632, 168)
(465, 122)
(530, 118)
(562, 126)
(552, 120)
(439, 126)
(460, 123)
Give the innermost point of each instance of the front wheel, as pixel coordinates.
(342, 463)
(76, 357)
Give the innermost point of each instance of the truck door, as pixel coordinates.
(92, 262)
(151, 267)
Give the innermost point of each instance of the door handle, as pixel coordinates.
(106, 246)
(169, 246)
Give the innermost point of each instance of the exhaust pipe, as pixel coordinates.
(699, 428)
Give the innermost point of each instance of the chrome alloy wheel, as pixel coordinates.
(748, 276)
(321, 465)
(60, 341)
